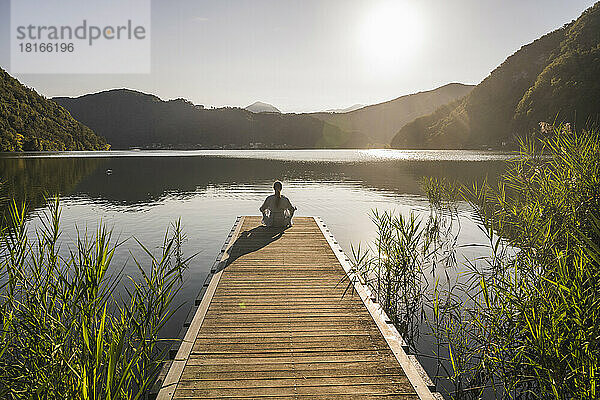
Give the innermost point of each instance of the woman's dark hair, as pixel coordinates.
(277, 186)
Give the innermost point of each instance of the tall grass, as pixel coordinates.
(65, 332)
(406, 253)
(523, 321)
(541, 308)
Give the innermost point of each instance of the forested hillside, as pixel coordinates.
(30, 122)
(555, 79)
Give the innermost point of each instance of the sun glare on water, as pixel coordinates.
(391, 33)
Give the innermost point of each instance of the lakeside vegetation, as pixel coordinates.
(72, 326)
(524, 321)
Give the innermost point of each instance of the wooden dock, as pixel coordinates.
(276, 321)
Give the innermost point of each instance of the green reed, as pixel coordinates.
(65, 333)
(405, 252)
(523, 321)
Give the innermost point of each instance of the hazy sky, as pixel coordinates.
(310, 55)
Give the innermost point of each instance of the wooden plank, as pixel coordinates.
(414, 373)
(173, 376)
(277, 321)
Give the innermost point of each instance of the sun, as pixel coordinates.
(391, 33)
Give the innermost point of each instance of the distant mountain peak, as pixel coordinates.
(259, 106)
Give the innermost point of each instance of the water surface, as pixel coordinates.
(139, 193)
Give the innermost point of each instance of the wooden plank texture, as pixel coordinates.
(281, 325)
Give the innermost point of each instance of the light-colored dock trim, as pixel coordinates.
(277, 365)
(415, 373)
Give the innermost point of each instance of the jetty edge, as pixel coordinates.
(275, 319)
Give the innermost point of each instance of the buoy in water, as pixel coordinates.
(109, 172)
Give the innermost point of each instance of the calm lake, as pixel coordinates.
(139, 193)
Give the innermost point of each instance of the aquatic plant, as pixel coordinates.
(71, 326)
(524, 320)
(405, 254)
(539, 306)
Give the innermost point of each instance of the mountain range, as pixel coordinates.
(554, 79)
(380, 122)
(128, 118)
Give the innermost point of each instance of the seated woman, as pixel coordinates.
(277, 210)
